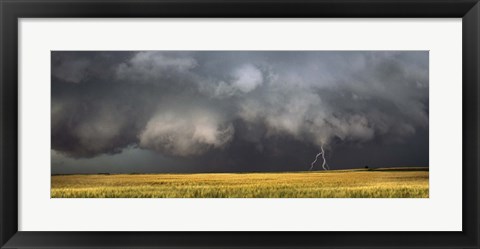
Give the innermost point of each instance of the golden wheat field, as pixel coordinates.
(372, 183)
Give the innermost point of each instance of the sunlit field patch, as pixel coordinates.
(362, 183)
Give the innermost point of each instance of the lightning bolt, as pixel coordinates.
(316, 157)
(324, 164)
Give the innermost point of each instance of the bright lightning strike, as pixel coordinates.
(324, 164)
(316, 157)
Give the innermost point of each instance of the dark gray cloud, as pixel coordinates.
(239, 110)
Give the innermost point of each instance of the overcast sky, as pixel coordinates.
(237, 111)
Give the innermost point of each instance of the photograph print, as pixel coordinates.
(239, 124)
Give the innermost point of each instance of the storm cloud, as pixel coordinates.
(239, 108)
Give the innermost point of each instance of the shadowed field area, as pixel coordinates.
(360, 183)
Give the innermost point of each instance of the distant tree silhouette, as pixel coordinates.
(366, 166)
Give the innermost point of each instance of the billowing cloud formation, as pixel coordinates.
(155, 68)
(193, 104)
(244, 79)
(185, 134)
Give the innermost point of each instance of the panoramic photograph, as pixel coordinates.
(239, 124)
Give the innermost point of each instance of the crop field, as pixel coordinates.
(359, 183)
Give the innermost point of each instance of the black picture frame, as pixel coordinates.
(11, 11)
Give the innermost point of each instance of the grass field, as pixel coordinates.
(373, 183)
